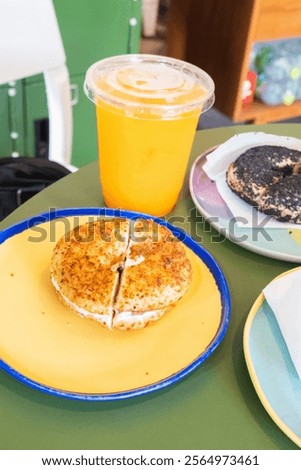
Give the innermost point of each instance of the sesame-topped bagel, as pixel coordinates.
(122, 273)
(84, 267)
(268, 177)
(157, 274)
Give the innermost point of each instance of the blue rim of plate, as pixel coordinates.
(204, 255)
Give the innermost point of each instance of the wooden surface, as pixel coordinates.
(278, 19)
(218, 36)
(259, 113)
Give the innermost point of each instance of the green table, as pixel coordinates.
(215, 407)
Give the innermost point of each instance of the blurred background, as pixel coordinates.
(252, 50)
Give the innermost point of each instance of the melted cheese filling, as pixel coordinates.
(108, 319)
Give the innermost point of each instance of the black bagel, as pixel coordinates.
(269, 178)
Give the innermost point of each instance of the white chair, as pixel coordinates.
(30, 43)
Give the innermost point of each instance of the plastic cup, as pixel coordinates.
(147, 110)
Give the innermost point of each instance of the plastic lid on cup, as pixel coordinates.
(150, 84)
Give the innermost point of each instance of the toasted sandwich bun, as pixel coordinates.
(85, 266)
(125, 281)
(156, 275)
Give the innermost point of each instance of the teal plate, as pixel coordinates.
(271, 369)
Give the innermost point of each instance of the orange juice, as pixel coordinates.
(147, 113)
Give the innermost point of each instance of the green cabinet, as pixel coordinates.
(12, 123)
(91, 30)
(94, 29)
(6, 142)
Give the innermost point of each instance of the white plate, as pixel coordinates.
(283, 244)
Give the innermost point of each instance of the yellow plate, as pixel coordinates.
(48, 347)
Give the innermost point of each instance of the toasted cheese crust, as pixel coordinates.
(84, 265)
(136, 320)
(123, 280)
(161, 278)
